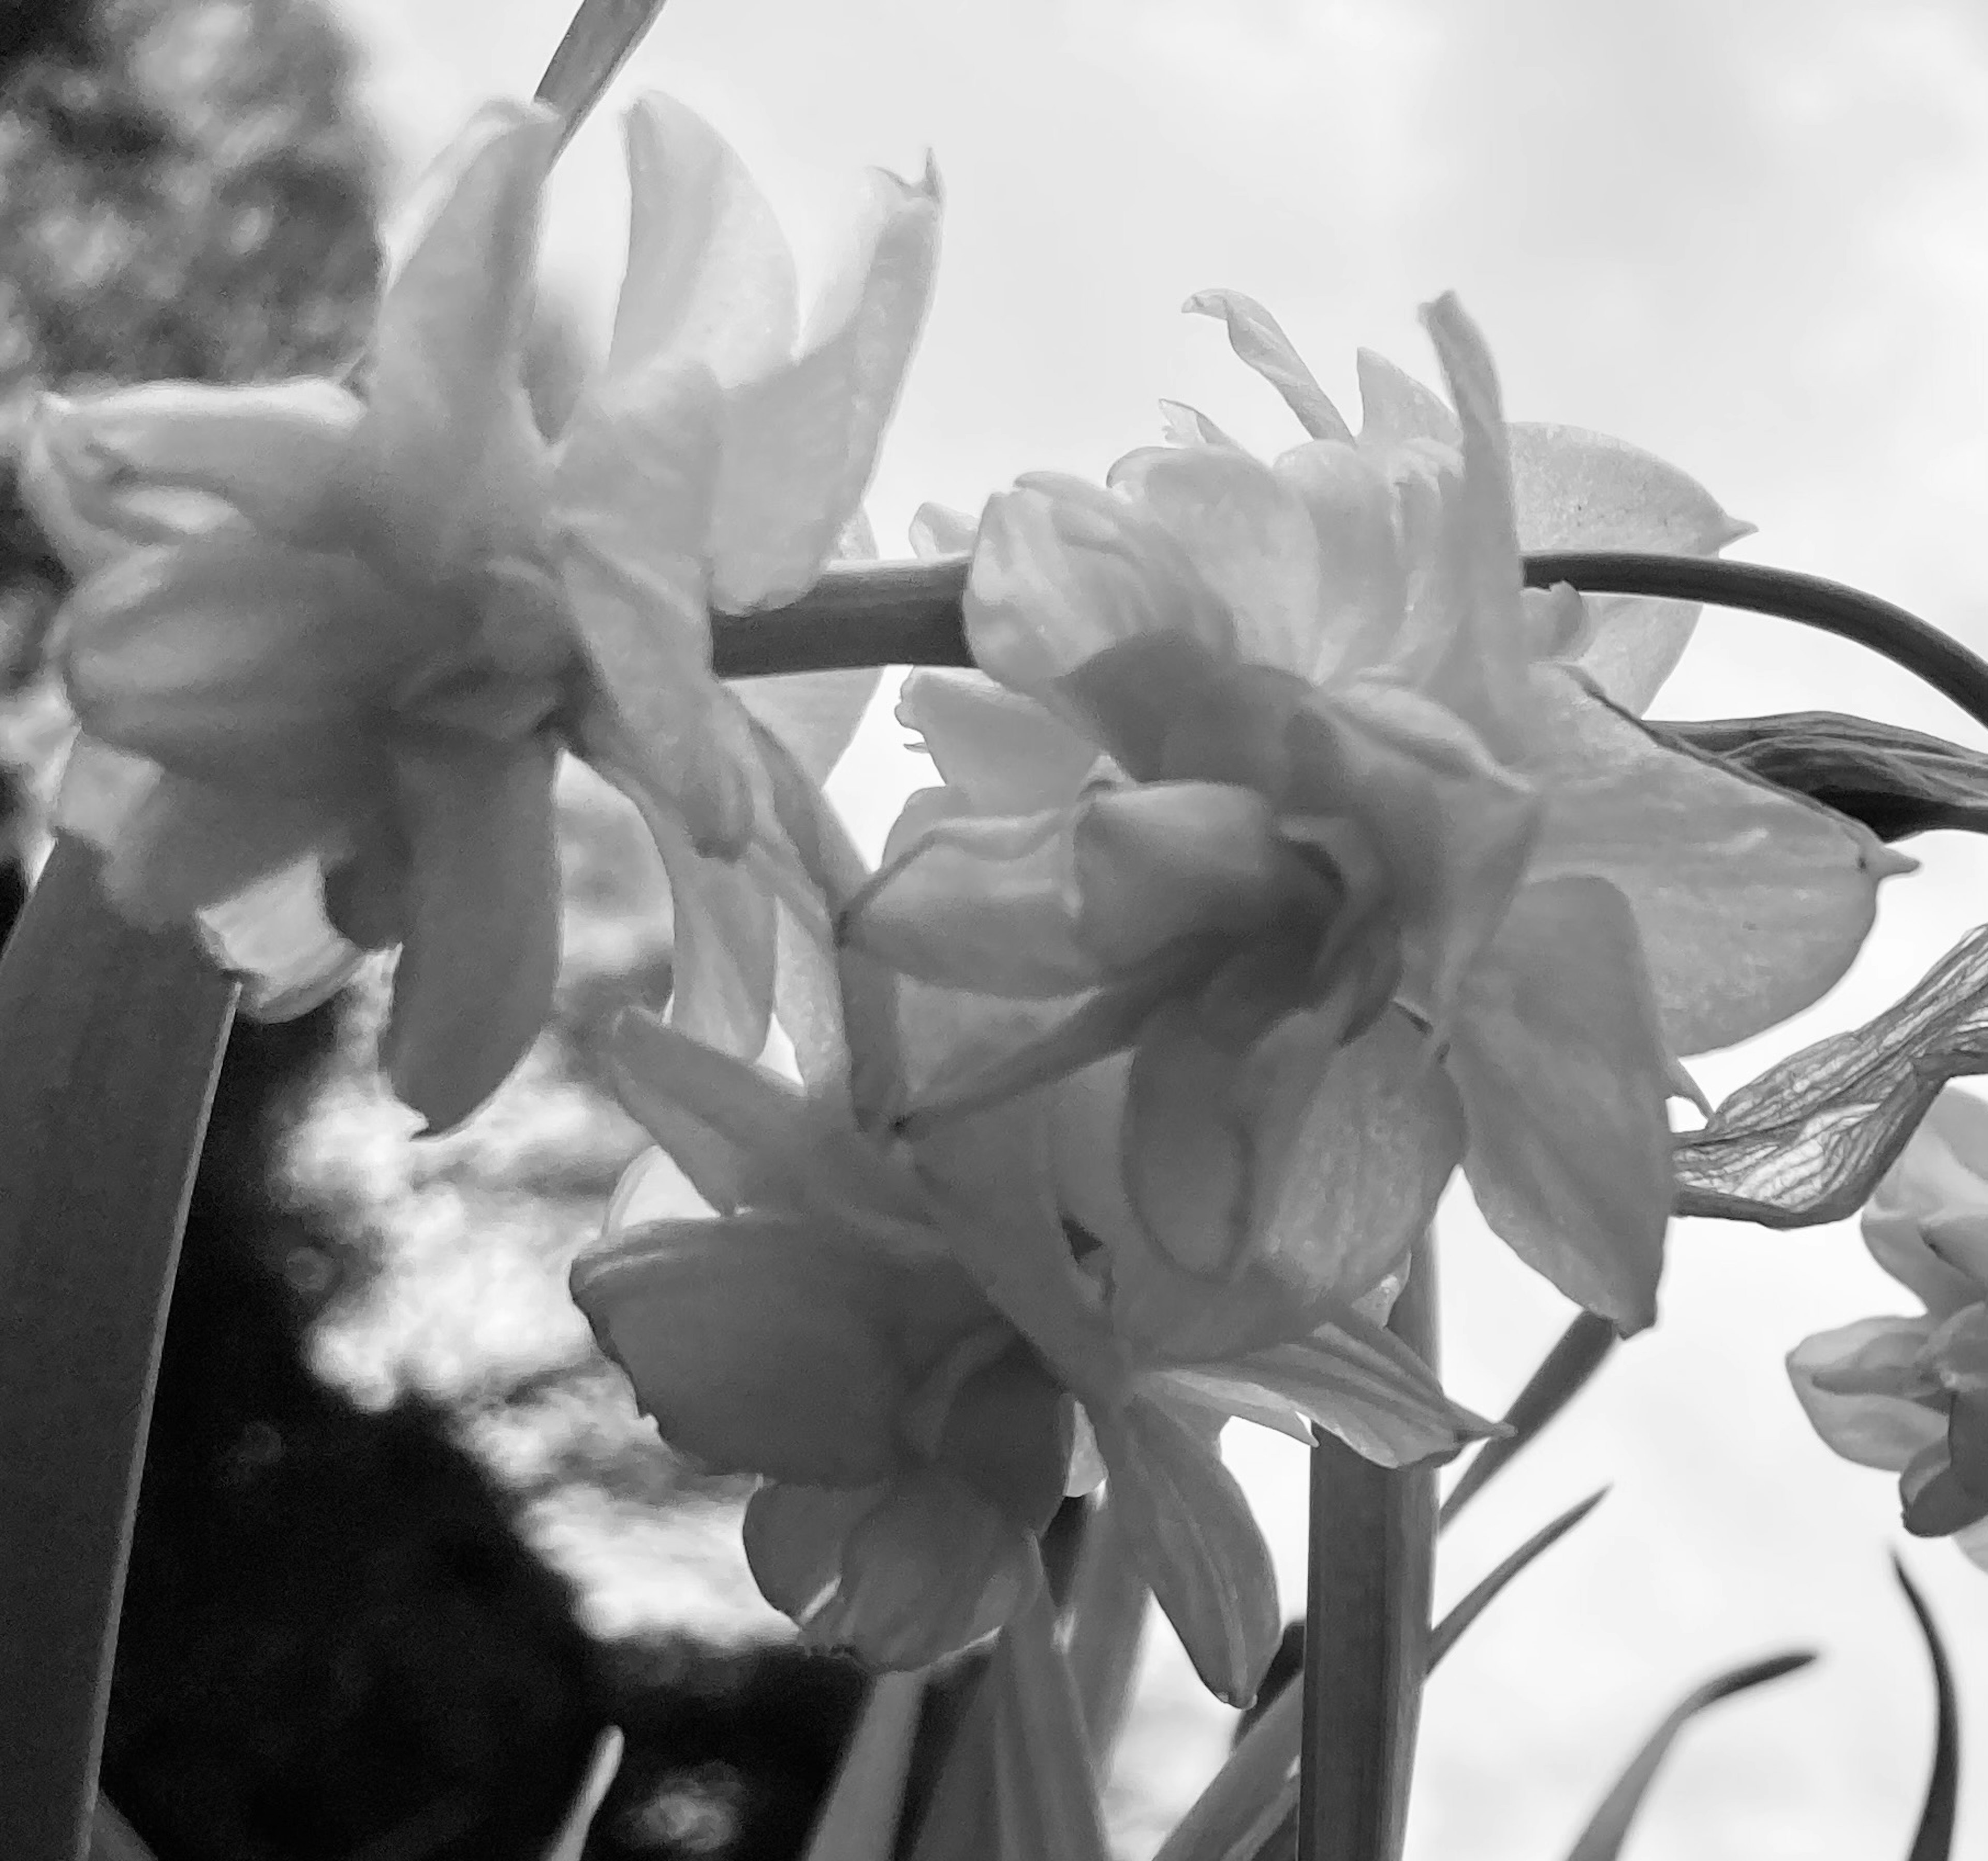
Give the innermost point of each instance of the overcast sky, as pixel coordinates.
(1753, 238)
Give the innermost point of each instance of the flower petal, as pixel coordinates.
(1255, 336)
(1351, 1377)
(275, 936)
(710, 277)
(1578, 490)
(725, 955)
(446, 428)
(815, 714)
(1250, 537)
(1941, 1176)
(1063, 571)
(801, 441)
(1395, 408)
(1362, 581)
(1751, 902)
(188, 845)
(1007, 754)
(474, 984)
(1564, 1074)
(759, 1344)
(1197, 1543)
(901, 1574)
(938, 530)
(238, 664)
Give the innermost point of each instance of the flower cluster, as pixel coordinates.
(1910, 1394)
(330, 638)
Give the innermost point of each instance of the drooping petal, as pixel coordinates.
(188, 845)
(1561, 1066)
(710, 276)
(631, 496)
(1751, 902)
(989, 905)
(1197, 1541)
(1350, 1376)
(901, 1574)
(474, 984)
(168, 460)
(725, 944)
(1007, 754)
(759, 1344)
(230, 661)
(1063, 571)
(1871, 1428)
(445, 417)
(1248, 537)
(1578, 490)
(1007, 1433)
(1256, 336)
(815, 714)
(801, 441)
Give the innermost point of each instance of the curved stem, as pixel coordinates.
(909, 613)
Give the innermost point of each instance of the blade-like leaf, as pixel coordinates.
(1367, 1626)
(1563, 1374)
(1602, 1839)
(1897, 782)
(1046, 1806)
(597, 45)
(570, 1842)
(1450, 1631)
(1807, 1142)
(1252, 1801)
(1933, 1840)
(859, 1822)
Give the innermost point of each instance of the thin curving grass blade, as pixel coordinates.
(1563, 1374)
(1602, 1839)
(1934, 1839)
(1450, 1631)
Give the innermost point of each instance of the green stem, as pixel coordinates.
(1367, 1627)
(909, 613)
(110, 1040)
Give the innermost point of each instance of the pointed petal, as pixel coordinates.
(1063, 571)
(1197, 1542)
(237, 663)
(1578, 490)
(801, 442)
(1351, 1377)
(710, 277)
(815, 714)
(445, 419)
(1362, 581)
(759, 1343)
(1564, 1074)
(1395, 408)
(901, 1574)
(1250, 537)
(1751, 902)
(725, 944)
(1007, 754)
(474, 984)
(1181, 425)
(1255, 336)
(938, 530)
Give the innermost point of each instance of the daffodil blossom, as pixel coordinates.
(1293, 740)
(1910, 1394)
(326, 646)
(901, 1339)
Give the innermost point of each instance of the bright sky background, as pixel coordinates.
(1753, 239)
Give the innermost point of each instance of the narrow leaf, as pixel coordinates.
(1450, 1631)
(1807, 1142)
(597, 44)
(1367, 1626)
(859, 1822)
(1563, 1374)
(112, 1039)
(1896, 782)
(1252, 1798)
(570, 1842)
(1933, 1840)
(1602, 1839)
(1046, 1806)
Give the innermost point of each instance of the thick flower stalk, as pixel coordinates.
(1282, 760)
(327, 646)
(1910, 1394)
(920, 1351)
